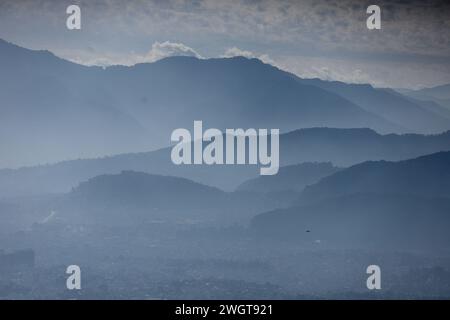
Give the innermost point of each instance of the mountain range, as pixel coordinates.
(341, 147)
(358, 164)
(54, 110)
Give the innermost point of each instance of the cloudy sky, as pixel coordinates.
(311, 38)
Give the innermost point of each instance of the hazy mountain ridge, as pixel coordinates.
(132, 198)
(53, 109)
(127, 109)
(438, 94)
(341, 147)
(407, 113)
(426, 176)
(373, 203)
(238, 92)
(290, 178)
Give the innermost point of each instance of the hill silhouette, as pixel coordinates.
(426, 176)
(341, 147)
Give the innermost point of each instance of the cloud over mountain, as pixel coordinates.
(169, 49)
(236, 52)
(330, 36)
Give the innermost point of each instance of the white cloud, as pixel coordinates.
(169, 49)
(236, 52)
(158, 51)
